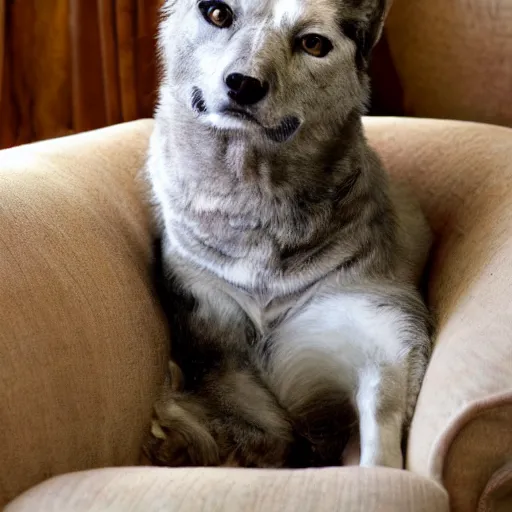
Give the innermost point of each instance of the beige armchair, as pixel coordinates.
(83, 342)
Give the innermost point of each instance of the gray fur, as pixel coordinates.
(290, 261)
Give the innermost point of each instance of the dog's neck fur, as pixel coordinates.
(274, 206)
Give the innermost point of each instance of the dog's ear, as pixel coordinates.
(364, 24)
(377, 13)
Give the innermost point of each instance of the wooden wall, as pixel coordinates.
(73, 65)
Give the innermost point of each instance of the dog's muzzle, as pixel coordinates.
(280, 133)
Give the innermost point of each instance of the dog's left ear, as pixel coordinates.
(379, 10)
(365, 24)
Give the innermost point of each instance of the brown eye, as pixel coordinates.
(217, 13)
(316, 45)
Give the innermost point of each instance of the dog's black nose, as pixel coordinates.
(245, 90)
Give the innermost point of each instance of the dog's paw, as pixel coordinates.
(179, 438)
(179, 434)
(170, 445)
(230, 421)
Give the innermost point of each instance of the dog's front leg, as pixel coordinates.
(360, 347)
(381, 405)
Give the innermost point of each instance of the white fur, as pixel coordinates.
(381, 427)
(224, 122)
(345, 342)
(287, 12)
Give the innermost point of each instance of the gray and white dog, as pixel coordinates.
(291, 264)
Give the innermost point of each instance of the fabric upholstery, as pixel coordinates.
(454, 58)
(473, 457)
(206, 490)
(462, 173)
(82, 340)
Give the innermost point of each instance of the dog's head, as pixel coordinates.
(269, 67)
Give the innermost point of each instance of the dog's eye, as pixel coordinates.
(315, 45)
(217, 13)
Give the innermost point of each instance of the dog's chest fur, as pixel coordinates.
(267, 224)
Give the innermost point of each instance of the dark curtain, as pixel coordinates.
(73, 65)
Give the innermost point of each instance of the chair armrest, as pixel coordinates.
(236, 490)
(461, 433)
(82, 339)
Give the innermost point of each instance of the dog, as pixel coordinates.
(289, 262)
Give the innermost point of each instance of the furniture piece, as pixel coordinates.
(83, 341)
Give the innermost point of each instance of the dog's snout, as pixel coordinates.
(246, 90)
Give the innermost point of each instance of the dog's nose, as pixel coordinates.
(246, 90)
